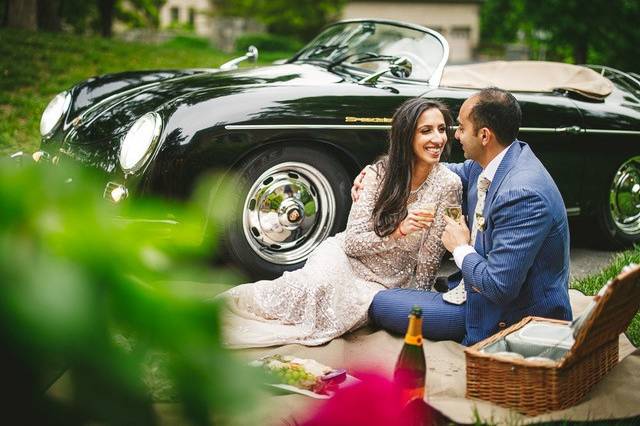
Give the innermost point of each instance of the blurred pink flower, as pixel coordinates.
(374, 401)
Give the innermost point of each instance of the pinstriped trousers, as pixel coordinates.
(440, 320)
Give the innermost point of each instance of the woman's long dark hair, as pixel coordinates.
(391, 207)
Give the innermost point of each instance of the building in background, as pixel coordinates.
(193, 14)
(457, 20)
(199, 16)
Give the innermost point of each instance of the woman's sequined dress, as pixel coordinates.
(331, 294)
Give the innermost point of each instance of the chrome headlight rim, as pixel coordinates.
(130, 167)
(61, 101)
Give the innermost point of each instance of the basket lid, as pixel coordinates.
(612, 312)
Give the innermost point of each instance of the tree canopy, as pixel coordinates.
(597, 31)
(79, 15)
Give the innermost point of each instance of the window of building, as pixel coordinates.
(192, 17)
(175, 14)
(461, 32)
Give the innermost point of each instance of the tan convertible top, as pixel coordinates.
(528, 76)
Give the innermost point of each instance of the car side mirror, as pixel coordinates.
(251, 55)
(401, 67)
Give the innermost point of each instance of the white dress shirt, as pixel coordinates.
(489, 172)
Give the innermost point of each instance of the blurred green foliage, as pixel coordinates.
(301, 18)
(267, 43)
(597, 31)
(188, 42)
(90, 295)
(140, 13)
(80, 16)
(36, 66)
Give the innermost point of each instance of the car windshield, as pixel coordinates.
(348, 43)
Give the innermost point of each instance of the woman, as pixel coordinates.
(387, 244)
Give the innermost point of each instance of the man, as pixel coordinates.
(515, 260)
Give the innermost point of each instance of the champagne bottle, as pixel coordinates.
(411, 367)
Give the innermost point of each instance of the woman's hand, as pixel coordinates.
(414, 222)
(358, 185)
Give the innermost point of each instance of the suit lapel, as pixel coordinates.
(472, 194)
(507, 163)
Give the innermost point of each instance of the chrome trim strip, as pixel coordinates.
(577, 131)
(573, 211)
(387, 127)
(306, 126)
(613, 132)
(539, 129)
(121, 219)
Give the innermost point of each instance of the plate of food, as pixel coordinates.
(303, 376)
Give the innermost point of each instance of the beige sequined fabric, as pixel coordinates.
(331, 294)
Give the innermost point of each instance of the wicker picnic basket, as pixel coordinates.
(533, 387)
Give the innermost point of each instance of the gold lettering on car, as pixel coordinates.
(367, 120)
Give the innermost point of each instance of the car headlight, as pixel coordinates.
(54, 112)
(139, 142)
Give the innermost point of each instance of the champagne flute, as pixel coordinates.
(452, 207)
(424, 207)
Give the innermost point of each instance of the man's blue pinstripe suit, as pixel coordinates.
(522, 263)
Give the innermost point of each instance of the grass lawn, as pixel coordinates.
(593, 283)
(36, 66)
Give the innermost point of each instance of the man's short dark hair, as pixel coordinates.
(497, 110)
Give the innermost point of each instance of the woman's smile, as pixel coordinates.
(430, 137)
(435, 150)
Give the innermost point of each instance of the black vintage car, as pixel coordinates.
(298, 132)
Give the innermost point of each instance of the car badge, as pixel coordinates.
(367, 120)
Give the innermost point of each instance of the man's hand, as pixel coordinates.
(358, 185)
(455, 234)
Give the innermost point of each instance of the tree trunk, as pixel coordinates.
(22, 14)
(49, 15)
(105, 9)
(580, 50)
(5, 13)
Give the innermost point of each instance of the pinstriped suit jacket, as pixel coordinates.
(522, 263)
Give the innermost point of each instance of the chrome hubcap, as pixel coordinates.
(289, 210)
(624, 197)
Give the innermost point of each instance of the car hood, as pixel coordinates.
(114, 114)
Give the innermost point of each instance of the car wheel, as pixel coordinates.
(292, 198)
(620, 212)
